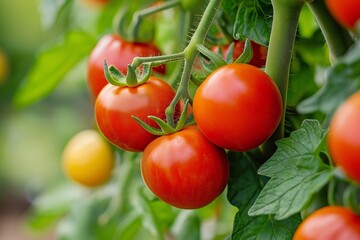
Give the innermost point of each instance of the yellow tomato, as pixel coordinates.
(88, 159)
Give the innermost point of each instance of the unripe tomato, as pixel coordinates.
(259, 52)
(344, 137)
(88, 159)
(119, 53)
(330, 223)
(346, 12)
(115, 106)
(238, 107)
(185, 169)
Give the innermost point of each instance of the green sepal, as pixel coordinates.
(113, 75)
(229, 58)
(166, 128)
(214, 57)
(131, 77)
(145, 74)
(151, 130)
(182, 120)
(247, 54)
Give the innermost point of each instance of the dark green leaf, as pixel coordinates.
(52, 65)
(252, 19)
(297, 173)
(244, 186)
(341, 81)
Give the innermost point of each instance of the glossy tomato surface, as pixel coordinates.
(344, 137)
(88, 159)
(346, 12)
(259, 52)
(115, 106)
(185, 169)
(117, 52)
(330, 223)
(238, 107)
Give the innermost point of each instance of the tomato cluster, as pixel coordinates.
(237, 108)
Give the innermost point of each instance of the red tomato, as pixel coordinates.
(119, 53)
(259, 52)
(344, 137)
(238, 107)
(346, 12)
(185, 169)
(330, 223)
(115, 105)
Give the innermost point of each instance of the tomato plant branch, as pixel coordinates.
(282, 40)
(191, 52)
(338, 39)
(158, 60)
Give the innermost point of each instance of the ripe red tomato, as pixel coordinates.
(115, 105)
(238, 107)
(259, 52)
(346, 12)
(119, 53)
(88, 159)
(344, 137)
(331, 222)
(185, 169)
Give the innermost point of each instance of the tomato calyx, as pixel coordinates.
(210, 61)
(133, 78)
(164, 127)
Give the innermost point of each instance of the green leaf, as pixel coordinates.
(341, 81)
(52, 65)
(187, 226)
(51, 11)
(244, 186)
(252, 19)
(296, 171)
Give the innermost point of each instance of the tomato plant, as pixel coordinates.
(88, 159)
(109, 48)
(4, 68)
(248, 102)
(115, 106)
(346, 12)
(344, 137)
(259, 52)
(332, 222)
(184, 169)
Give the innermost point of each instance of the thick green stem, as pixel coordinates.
(191, 53)
(338, 39)
(282, 39)
(157, 60)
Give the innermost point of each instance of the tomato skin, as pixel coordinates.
(185, 169)
(259, 52)
(88, 159)
(119, 53)
(344, 137)
(238, 107)
(115, 105)
(331, 222)
(346, 12)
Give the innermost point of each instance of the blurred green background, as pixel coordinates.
(32, 138)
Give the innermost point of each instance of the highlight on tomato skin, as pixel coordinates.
(119, 53)
(330, 222)
(88, 159)
(185, 169)
(344, 137)
(238, 107)
(115, 106)
(346, 12)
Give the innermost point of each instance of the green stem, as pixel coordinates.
(157, 60)
(338, 39)
(191, 53)
(282, 40)
(124, 178)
